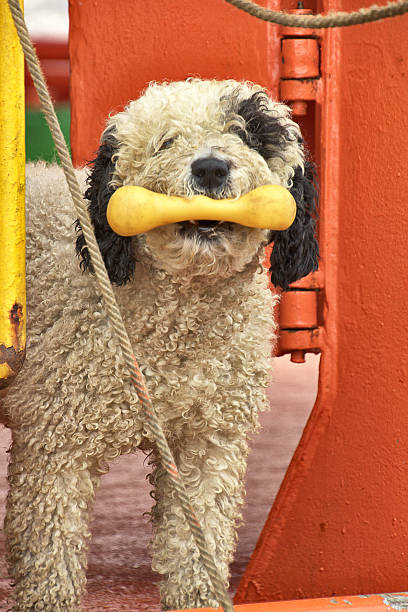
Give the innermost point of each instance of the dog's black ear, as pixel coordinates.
(296, 251)
(116, 250)
(264, 131)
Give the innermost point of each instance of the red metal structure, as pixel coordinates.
(340, 522)
(54, 58)
(366, 603)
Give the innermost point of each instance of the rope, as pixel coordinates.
(332, 20)
(113, 309)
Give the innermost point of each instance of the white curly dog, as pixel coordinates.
(198, 310)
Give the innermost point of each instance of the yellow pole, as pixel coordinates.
(12, 188)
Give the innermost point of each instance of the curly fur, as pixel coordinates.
(198, 310)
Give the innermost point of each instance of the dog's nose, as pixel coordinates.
(210, 172)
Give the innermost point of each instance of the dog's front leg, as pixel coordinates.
(213, 468)
(47, 527)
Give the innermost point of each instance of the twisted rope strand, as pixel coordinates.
(113, 310)
(332, 20)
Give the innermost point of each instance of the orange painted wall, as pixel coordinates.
(117, 48)
(340, 522)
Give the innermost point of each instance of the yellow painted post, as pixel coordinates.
(12, 221)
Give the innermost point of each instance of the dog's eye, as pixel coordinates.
(166, 144)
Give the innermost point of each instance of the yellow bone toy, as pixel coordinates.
(135, 210)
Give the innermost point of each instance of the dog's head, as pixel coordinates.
(218, 138)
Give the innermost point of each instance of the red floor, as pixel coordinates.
(119, 574)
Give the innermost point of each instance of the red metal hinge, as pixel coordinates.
(299, 317)
(300, 83)
(300, 74)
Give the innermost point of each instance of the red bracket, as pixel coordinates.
(300, 327)
(300, 73)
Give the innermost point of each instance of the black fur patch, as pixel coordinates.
(296, 251)
(264, 131)
(116, 250)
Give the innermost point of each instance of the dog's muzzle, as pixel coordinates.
(209, 177)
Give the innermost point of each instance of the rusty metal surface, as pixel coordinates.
(12, 356)
(12, 220)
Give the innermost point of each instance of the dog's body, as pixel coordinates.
(199, 314)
